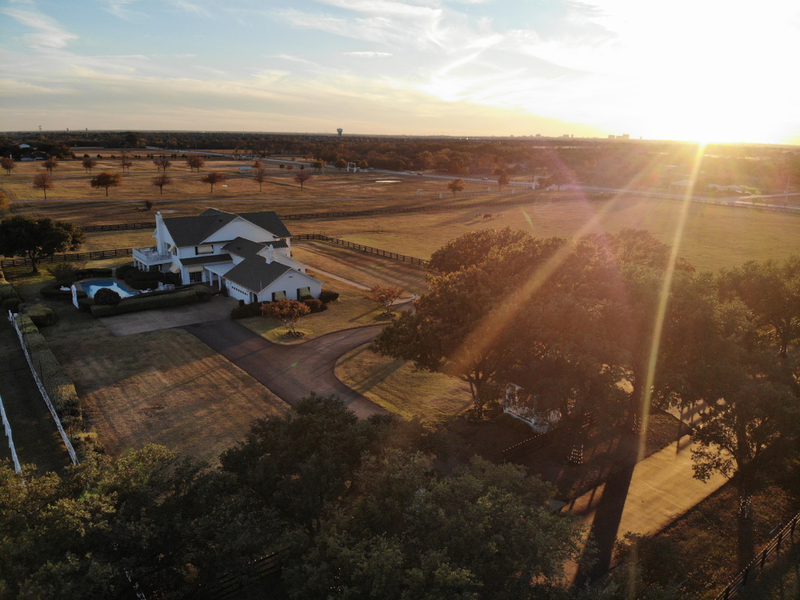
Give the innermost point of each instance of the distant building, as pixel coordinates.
(626, 136)
(340, 131)
(612, 137)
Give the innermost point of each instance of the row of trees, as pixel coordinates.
(354, 507)
(44, 181)
(570, 320)
(596, 162)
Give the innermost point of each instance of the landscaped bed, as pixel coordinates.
(351, 309)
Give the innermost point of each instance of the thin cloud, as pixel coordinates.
(48, 32)
(368, 54)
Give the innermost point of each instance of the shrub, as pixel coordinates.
(314, 305)
(107, 296)
(7, 291)
(513, 423)
(123, 270)
(41, 316)
(248, 310)
(326, 296)
(164, 299)
(58, 385)
(11, 304)
(64, 273)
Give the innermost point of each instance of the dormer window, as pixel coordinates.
(198, 250)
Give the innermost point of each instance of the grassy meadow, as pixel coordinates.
(397, 387)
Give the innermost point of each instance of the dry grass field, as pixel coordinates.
(396, 386)
(713, 237)
(71, 182)
(164, 387)
(363, 268)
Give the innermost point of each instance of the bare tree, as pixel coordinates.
(160, 181)
(257, 164)
(195, 162)
(8, 164)
(213, 178)
(162, 164)
(126, 161)
(259, 175)
(106, 180)
(42, 181)
(50, 164)
(301, 178)
(88, 163)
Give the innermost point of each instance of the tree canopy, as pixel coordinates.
(37, 239)
(106, 180)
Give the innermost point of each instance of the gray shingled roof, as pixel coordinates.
(191, 231)
(255, 274)
(207, 260)
(268, 220)
(243, 247)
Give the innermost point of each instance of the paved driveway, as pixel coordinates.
(215, 309)
(291, 372)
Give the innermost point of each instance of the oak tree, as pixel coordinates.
(301, 178)
(88, 164)
(42, 181)
(106, 180)
(195, 162)
(50, 164)
(503, 179)
(37, 239)
(260, 175)
(162, 164)
(8, 164)
(287, 312)
(213, 178)
(160, 181)
(456, 186)
(385, 295)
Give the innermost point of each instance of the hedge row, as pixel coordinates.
(164, 299)
(56, 382)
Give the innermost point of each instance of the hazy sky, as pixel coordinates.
(702, 70)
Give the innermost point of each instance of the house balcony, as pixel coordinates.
(150, 257)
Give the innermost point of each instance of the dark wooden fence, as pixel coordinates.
(361, 248)
(232, 585)
(785, 537)
(69, 257)
(118, 227)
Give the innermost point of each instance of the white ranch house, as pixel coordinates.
(248, 254)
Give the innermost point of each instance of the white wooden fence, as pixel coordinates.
(7, 427)
(43, 391)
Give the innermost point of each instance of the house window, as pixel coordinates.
(278, 296)
(196, 277)
(303, 291)
(203, 250)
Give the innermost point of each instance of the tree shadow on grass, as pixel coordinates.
(605, 525)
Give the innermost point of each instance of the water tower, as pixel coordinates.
(339, 131)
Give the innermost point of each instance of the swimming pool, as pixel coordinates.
(91, 287)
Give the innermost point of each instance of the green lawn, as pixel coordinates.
(396, 386)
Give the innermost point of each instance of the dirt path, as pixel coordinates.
(35, 434)
(291, 372)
